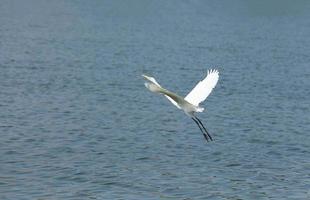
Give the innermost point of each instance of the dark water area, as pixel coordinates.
(76, 121)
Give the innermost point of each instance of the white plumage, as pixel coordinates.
(190, 104)
(202, 90)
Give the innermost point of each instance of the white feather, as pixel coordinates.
(189, 104)
(202, 90)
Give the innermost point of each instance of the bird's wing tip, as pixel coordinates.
(213, 71)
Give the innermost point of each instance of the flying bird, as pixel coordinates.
(189, 104)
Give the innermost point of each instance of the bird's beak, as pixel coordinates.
(146, 77)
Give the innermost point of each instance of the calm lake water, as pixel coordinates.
(76, 121)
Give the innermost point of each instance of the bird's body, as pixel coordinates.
(177, 100)
(189, 104)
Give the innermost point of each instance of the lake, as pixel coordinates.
(76, 121)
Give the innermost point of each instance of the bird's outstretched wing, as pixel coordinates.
(202, 90)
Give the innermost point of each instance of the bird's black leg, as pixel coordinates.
(204, 128)
(206, 137)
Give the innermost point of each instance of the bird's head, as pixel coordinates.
(151, 84)
(149, 78)
(152, 87)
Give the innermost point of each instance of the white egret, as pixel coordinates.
(189, 104)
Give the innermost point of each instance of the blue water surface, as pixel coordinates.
(76, 121)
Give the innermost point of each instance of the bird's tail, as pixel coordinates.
(200, 109)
